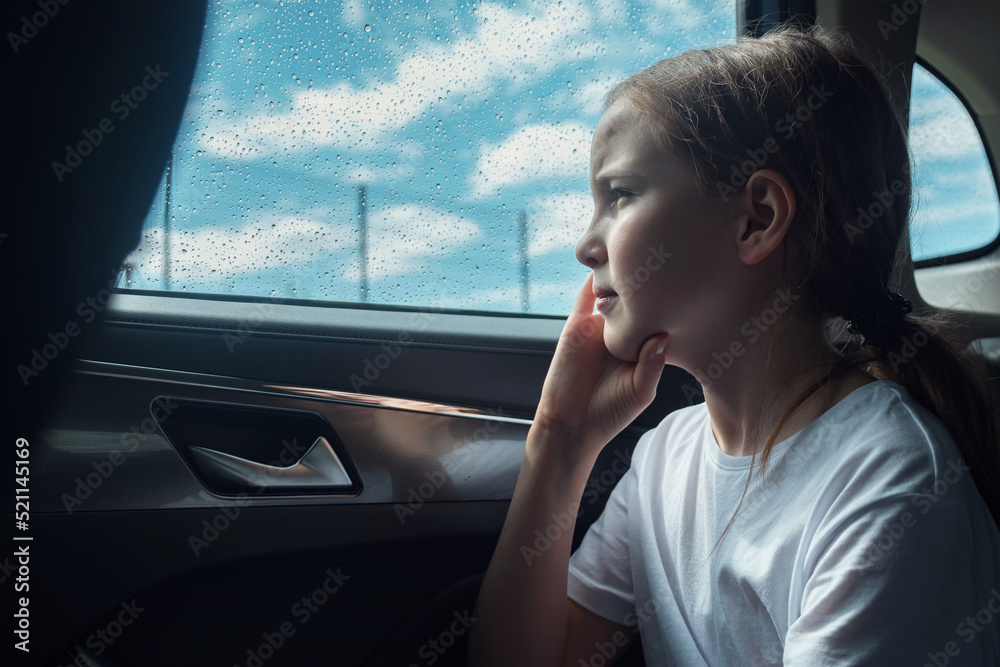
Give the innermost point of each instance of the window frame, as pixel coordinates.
(123, 284)
(955, 258)
(982, 251)
(250, 299)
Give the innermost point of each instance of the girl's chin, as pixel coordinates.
(621, 349)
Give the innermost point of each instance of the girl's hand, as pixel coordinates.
(589, 396)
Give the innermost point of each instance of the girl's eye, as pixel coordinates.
(617, 194)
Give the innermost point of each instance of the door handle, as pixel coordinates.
(319, 468)
(224, 446)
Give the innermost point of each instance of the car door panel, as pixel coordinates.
(435, 477)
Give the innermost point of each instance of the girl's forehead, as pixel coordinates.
(625, 145)
(622, 128)
(619, 114)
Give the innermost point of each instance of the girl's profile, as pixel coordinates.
(836, 498)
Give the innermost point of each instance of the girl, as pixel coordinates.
(827, 504)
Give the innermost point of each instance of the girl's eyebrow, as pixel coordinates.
(632, 177)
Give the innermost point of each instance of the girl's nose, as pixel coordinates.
(590, 251)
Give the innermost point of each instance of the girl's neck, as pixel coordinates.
(746, 405)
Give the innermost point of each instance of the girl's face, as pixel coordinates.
(664, 255)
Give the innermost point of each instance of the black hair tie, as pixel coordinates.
(877, 319)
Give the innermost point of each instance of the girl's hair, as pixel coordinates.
(812, 107)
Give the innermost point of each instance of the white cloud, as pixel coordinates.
(401, 237)
(205, 254)
(556, 296)
(942, 218)
(611, 11)
(547, 297)
(975, 179)
(355, 172)
(506, 45)
(354, 13)
(533, 153)
(590, 96)
(680, 16)
(942, 129)
(558, 221)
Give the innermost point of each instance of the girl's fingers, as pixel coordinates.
(584, 304)
(649, 367)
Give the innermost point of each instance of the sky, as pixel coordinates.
(955, 206)
(460, 120)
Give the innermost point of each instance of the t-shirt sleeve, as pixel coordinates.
(600, 571)
(892, 585)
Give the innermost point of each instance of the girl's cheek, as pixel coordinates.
(621, 244)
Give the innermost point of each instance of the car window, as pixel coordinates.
(955, 207)
(425, 154)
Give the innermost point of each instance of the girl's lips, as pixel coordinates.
(605, 302)
(605, 297)
(602, 292)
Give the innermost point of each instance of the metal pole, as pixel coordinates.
(524, 260)
(363, 240)
(166, 223)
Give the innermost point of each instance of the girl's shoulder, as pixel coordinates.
(878, 430)
(880, 439)
(882, 419)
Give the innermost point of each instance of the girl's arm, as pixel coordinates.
(523, 613)
(524, 616)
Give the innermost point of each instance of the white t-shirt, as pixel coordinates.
(866, 543)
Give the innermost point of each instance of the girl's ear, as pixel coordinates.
(766, 209)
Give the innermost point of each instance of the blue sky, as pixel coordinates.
(456, 118)
(955, 205)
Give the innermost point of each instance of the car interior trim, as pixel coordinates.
(129, 371)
